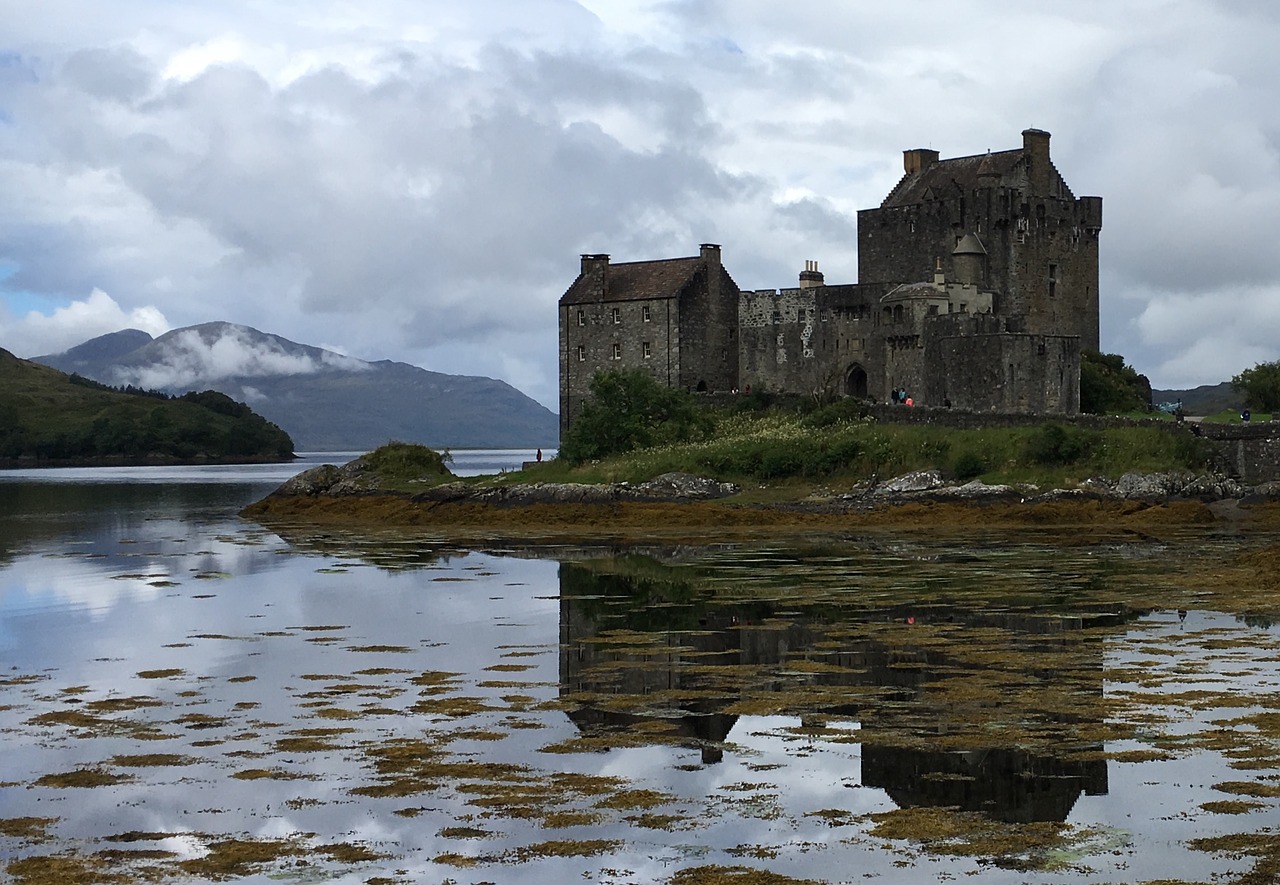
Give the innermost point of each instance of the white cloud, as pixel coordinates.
(36, 334)
(415, 181)
(195, 357)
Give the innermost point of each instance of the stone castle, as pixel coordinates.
(977, 288)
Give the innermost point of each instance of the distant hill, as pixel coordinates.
(326, 401)
(1208, 399)
(49, 418)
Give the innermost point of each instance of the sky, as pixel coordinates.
(416, 179)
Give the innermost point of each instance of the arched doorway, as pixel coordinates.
(855, 382)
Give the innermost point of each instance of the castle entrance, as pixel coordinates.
(855, 382)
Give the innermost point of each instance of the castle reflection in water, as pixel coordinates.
(985, 707)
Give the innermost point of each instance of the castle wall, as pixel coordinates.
(986, 363)
(809, 340)
(708, 330)
(644, 335)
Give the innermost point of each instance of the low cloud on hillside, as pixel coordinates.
(190, 359)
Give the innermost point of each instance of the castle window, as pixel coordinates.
(617, 351)
(582, 318)
(582, 353)
(646, 348)
(644, 313)
(617, 317)
(1053, 280)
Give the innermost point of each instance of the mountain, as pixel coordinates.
(49, 418)
(1208, 399)
(324, 400)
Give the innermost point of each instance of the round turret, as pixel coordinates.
(969, 256)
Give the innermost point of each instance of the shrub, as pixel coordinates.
(969, 465)
(1109, 387)
(401, 461)
(841, 412)
(1053, 445)
(629, 410)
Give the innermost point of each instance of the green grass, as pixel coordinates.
(1231, 416)
(397, 463)
(780, 450)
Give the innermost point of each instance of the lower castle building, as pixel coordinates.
(978, 289)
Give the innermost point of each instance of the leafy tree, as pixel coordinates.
(1109, 387)
(1260, 386)
(629, 410)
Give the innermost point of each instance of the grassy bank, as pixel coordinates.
(824, 447)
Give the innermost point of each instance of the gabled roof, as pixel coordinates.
(638, 281)
(944, 179)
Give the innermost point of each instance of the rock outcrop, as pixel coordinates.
(356, 478)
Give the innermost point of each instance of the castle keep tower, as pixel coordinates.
(1040, 240)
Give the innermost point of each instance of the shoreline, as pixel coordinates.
(639, 520)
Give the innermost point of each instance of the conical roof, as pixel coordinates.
(969, 245)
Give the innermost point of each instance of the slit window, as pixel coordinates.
(582, 318)
(582, 353)
(616, 316)
(617, 351)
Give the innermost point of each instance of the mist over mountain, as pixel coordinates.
(324, 400)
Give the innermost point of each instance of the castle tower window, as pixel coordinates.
(1053, 280)
(616, 316)
(582, 353)
(646, 348)
(617, 351)
(582, 318)
(644, 313)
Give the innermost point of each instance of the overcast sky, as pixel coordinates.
(415, 179)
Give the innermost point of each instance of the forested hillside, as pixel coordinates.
(48, 418)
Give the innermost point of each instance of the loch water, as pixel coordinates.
(186, 695)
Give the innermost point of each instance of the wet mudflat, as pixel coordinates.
(188, 697)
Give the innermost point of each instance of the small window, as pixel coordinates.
(617, 316)
(644, 313)
(582, 318)
(582, 353)
(1053, 280)
(648, 351)
(617, 351)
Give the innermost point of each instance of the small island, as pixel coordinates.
(647, 461)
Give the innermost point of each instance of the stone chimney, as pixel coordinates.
(1035, 148)
(811, 277)
(709, 252)
(595, 270)
(917, 160)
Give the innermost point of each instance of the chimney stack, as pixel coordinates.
(1035, 148)
(595, 268)
(811, 277)
(917, 160)
(709, 252)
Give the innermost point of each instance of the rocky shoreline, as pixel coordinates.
(680, 501)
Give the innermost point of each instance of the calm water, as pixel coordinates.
(186, 694)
